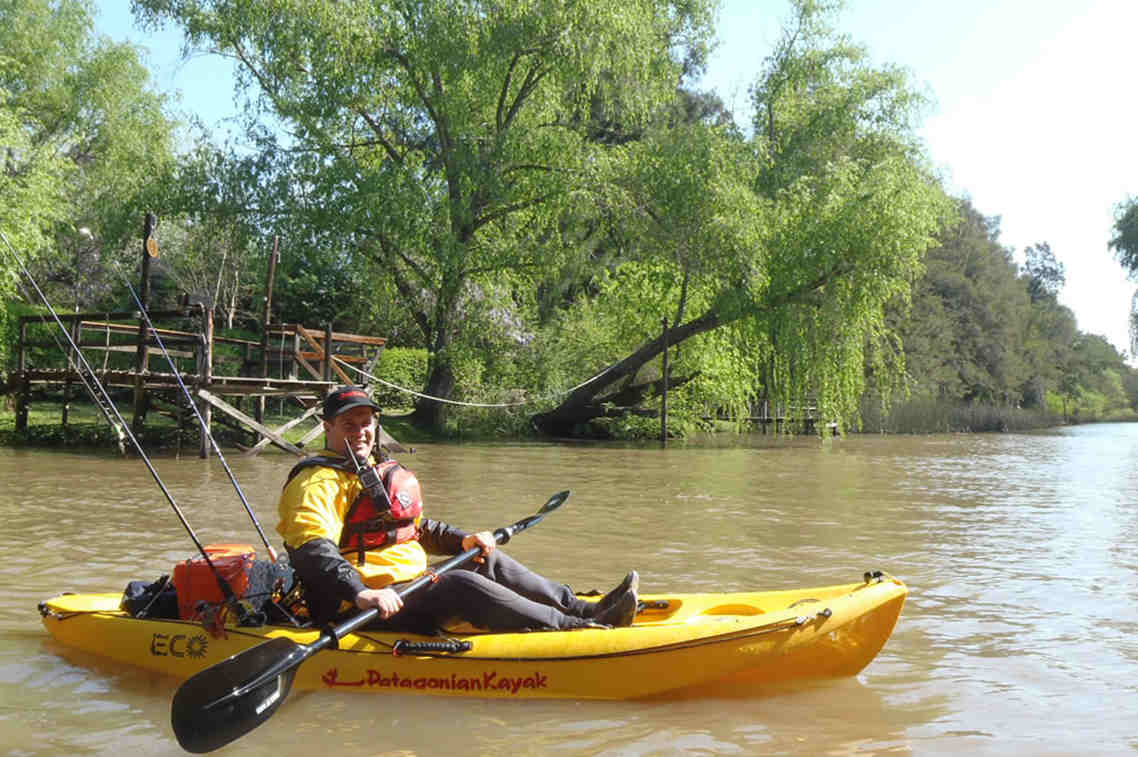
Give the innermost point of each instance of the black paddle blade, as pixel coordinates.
(226, 701)
(554, 502)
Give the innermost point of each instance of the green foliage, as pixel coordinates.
(10, 334)
(37, 44)
(517, 195)
(932, 415)
(1092, 384)
(856, 210)
(83, 135)
(818, 99)
(1045, 274)
(968, 314)
(982, 334)
(430, 136)
(211, 204)
(405, 367)
(56, 435)
(632, 427)
(1125, 239)
(1125, 246)
(859, 233)
(805, 230)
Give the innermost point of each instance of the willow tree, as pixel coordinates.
(1125, 246)
(431, 133)
(81, 132)
(795, 240)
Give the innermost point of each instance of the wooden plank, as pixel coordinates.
(369, 372)
(122, 328)
(265, 441)
(131, 315)
(311, 337)
(308, 367)
(307, 438)
(132, 348)
(233, 412)
(339, 336)
(340, 371)
(319, 355)
(102, 347)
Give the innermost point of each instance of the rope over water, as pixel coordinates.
(412, 392)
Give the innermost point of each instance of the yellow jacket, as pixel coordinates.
(314, 505)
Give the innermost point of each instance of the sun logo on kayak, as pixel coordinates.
(196, 646)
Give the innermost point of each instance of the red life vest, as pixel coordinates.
(384, 513)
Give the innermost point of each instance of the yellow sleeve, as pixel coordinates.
(313, 505)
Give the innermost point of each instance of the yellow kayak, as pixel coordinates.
(681, 645)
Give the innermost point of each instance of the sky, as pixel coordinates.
(1034, 114)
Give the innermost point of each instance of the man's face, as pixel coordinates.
(355, 428)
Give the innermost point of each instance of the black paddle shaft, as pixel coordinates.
(502, 535)
(227, 700)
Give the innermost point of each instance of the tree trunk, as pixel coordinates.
(581, 406)
(430, 413)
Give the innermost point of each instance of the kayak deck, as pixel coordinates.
(680, 645)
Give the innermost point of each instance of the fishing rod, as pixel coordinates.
(123, 427)
(201, 420)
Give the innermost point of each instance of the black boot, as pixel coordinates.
(631, 582)
(621, 611)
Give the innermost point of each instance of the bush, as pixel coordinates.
(927, 415)
(406, 368)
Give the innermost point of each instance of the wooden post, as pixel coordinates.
(266, 317)
(76, 335)
(21, 369)
(292, 363)
(205, 378)
(664, 393)
(328, 352)
(370, 371)
(142, 356)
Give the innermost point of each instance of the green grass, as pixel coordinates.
(87, 428)
(920, 415)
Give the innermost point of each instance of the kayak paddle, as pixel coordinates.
(227, 700)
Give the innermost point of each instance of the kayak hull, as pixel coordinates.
(681, 645)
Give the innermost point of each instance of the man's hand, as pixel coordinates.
(484, 540)
(385, 600)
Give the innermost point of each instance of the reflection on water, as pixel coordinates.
(1020, 552)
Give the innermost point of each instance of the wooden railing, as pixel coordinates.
(305, 360)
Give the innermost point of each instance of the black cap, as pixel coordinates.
(345, 398)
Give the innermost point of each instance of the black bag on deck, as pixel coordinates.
(156, 599)
(268, 582)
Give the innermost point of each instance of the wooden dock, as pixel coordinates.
(290, 361)
(781, 417)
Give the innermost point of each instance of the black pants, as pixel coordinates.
(499, 594)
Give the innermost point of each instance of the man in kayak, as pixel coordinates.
(353, 530)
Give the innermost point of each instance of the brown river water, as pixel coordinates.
(1020, 635)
